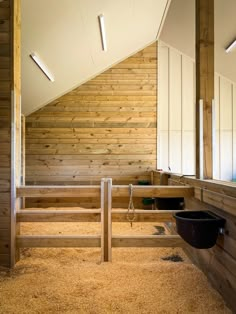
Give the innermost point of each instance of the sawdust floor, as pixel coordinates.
(74, 281)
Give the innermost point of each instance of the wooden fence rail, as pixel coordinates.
(95, 191)
(58, 241)
(153, 191)
(91, 215)
(59, 191)
(106, 191)
(58, 215)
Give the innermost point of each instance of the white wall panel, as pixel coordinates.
(175, 81)
(188, 95)
(163, 150)
(163, 89)
(225, 104)
(234, 132)
(176, 105)
(216, 144)
(176, 90)
(226, 129)
(217, 101)
(175, 154)
(234, 155)
(226, 156)
(188, 152)
(234, 107)
(216, 156)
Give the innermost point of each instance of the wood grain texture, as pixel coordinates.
(144, 215)
(9, 84)
(16, 128)
(59, 215)
(88, 202)
(148, 241)
(104, 128)
(219, 262)
(6, 63)
(58, 191)
(106, 220)
(90, 215)
(58, 241)
(153, 191)
(204, 81)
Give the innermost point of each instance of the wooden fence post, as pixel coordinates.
(106, 207)
(164, 178)
(22, 156)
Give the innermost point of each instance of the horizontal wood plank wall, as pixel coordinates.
(104, 128)
(5, 132)
(219, 262)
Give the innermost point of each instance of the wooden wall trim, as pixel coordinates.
(215, 193)
(224, 187)
(15, 125)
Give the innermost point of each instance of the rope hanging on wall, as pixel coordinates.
(131, 210)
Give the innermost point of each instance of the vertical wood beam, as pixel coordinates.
(5, 128)
(106, 220)
(204, 82)
(15, 124)
(9, 125)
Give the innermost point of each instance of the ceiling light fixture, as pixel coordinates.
(103, 32)
(231, 46)
(42, 66)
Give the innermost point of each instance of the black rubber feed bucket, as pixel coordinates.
(199, 228)
(173, 203)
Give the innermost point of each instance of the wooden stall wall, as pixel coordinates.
(5, 132)
(219, 262)
(9, 84)
(104, 128)
(176, 117)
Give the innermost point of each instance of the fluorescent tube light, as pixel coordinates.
(42, 66)
(103, 32)
(231, 46)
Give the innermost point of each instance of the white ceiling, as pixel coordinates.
(179, 31)
(66, 35)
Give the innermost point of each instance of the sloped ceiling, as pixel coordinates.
(66, 36)
(179, 32)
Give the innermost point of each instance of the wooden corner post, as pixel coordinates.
(106, 207)
(15, 27)
(204, 86)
